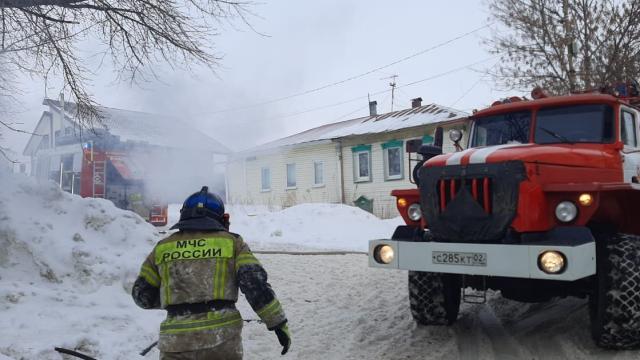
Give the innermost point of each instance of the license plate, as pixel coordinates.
(459, 258)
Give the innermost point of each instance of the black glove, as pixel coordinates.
(145, 295)
(282, 332)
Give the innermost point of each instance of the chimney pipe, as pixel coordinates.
(417, 102)
(373, 108)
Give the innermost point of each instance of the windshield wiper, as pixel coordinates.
(556, 135)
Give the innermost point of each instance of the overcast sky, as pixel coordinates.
(309, 44)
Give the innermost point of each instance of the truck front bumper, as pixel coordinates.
(505, 260)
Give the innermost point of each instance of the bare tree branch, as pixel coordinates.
(40, 37)
(536, 43)
(3, 152)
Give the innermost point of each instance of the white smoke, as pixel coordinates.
(170, 175)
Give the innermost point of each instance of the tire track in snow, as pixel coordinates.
(504, 345)
(467, 336)
(539, 328)
(341, 309)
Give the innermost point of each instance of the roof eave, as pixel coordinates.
(278, 149)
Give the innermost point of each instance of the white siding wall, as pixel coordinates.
(244, 177)
(378, 188)
(244, 174)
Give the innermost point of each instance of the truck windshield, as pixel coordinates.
(575, 124)
(502, 129)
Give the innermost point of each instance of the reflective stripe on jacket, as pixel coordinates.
(196, 267)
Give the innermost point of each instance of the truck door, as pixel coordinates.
(629, 135)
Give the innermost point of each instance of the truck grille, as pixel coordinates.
(470, 203)
(479, 188)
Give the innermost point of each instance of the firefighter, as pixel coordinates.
(195, 275)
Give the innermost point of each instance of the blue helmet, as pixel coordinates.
(201, 211)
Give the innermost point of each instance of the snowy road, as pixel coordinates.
(66, 271)
(341, 309)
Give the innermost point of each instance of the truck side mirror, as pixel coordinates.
(438, 137)
(413, 146)
(429, 151)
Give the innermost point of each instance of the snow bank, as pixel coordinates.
(67, 264)
(306, 226)
(320, 226)
(66, 269)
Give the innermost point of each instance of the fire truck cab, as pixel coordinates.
(542, 204)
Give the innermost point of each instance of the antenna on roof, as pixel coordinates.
(393, 84)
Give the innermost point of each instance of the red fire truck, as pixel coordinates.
(543, 203)
(114, 176)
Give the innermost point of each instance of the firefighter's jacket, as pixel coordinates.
(197, 267)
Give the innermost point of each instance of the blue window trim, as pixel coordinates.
(360, 148)
(392, 144)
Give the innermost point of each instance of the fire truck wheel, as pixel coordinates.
(614, 306)
(434, 298)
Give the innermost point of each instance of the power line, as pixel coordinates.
(403, 96)
(351, 113)
(448, 72)
(306, 92)
(467, 92)
(359, 109)
(432, 77)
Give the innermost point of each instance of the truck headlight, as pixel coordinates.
(455, 135)
(383, 254)
(566, 211)
(414, 212)
(552, 262)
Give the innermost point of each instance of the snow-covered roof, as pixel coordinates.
(392, 121)
(154, 129)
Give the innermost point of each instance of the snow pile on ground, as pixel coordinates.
(306, 226)
(66, 267)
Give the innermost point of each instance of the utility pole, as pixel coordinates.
(569, 42)
(393, 84)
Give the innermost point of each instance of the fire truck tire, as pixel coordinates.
(434, 298)
(614, 306)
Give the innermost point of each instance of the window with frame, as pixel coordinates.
(628, 129)
(362, 163)
(393, 160)
(318, 173)
(265, 176)
(291, 176)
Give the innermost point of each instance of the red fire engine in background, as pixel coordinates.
(113, 176)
